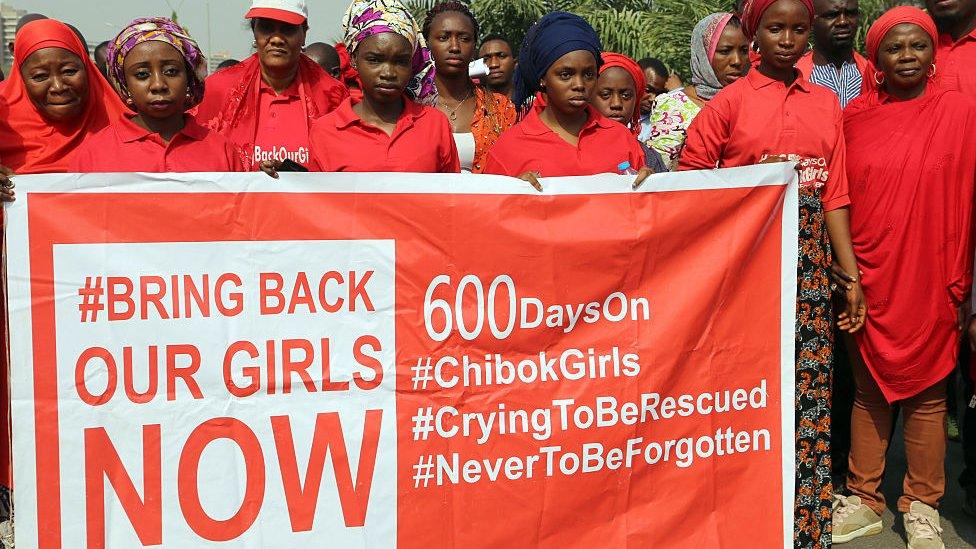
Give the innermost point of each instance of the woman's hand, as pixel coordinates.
(270, 167)
(855, 312)
(642, 175)
(533, 179)
(841, 278)
(6, 185)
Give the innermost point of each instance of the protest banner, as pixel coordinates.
(377, 360)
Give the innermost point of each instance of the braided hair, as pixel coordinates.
(445, 7)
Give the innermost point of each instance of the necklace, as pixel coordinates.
(453, 114)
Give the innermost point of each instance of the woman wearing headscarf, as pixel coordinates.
(617, 97)
(394, 128)
(560, 57)
(53, 101)
(151, 64)
(774, 114)
(477, 115)
(911, 162)
(266, 104)
(719, 56)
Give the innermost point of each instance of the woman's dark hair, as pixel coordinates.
(656, 65)
(445, 7)
(735, 22)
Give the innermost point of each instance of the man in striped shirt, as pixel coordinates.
(833, 63)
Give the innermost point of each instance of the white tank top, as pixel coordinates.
(465, 147)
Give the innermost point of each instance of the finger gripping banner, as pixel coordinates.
(379, 360)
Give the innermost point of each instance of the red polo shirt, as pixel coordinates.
(530, 146)
(421, 142)
(757, 117)
(955, 62)
(126, 147)
(282, 132)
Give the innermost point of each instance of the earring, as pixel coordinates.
(254, 44)
(877, 80)
(932, 70)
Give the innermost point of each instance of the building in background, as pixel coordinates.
(9, 16)
(217, 58)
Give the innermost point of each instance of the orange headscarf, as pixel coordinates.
(30, 143)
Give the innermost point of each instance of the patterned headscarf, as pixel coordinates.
(365, 18)
(159, 29)
(704, 40)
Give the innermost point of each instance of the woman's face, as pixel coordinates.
(731, 59)
(783, 34)
(570, 81)
(452, 43)
(155, 74)
(616, 95)
(279, 44)
(905, 57)
(57, 83)
(384, 64)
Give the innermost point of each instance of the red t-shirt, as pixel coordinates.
(530, 146)
(126, 147)
(282, 125)
(421, 142)
(954, 62)
(757, 117)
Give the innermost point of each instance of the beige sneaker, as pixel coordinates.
(853, 519)
(922, 527)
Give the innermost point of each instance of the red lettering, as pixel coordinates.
(120, 298)
(103, 461)
(327, 383)
(253, 373)
(369, 361)
(289, 366)
(81, 366)
(358, 290)
(152, 375)
(189, 487)
(155, 296)
(301, 294)
(202, 299)
(183, 372)
(236, 298)
(328, 437)
(334, 306)
(271, 286)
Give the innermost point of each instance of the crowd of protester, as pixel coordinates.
(882, 142)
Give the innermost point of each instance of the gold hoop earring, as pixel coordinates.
(879, 81)
(932, 71)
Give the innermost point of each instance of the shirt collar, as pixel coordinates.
(291, 91)
(945, 40)
(759, 80)
(129, 131)
(345, 116)
(533, 125)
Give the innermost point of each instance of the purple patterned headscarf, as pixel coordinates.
(365, 18)
(159, 29)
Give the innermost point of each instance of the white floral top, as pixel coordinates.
(668, 124)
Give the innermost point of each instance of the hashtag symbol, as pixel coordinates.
(421, 374)
(423, 471)
(91, 298)
(423, 423)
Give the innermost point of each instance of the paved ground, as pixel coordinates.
(960, 529)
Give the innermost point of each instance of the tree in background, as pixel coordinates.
(638, 28)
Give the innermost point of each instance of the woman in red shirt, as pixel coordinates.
(911, 161)
(560, 57)
(393, 128)
(151, 64)
(775, 114)
(266, 104)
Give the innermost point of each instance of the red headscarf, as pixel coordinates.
(30, 143)
(611, 60)
(891, 19)
(753, 10)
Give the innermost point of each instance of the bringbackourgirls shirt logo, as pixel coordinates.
(300, 155)
(813, 170)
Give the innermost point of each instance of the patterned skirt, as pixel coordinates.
(814, 347)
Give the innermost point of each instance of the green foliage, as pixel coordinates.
(638, 28)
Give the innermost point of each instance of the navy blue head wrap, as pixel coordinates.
(552, 37)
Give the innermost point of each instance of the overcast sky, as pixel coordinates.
(102, 19)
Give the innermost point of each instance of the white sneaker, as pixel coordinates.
(852, 520)
(922, 527)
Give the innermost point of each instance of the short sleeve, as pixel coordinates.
(707, 138)
(835, 193)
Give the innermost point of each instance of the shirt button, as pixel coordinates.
(274, 115)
